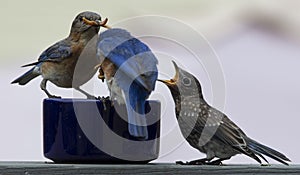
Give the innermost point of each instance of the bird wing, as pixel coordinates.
(226, 131)
(56, 52)
(132, 57)
(136, 69)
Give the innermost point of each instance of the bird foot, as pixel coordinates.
(200, 162)
(215, 163)
(265, 164)
(53, 96)
(103, 100)
(181, 163)
(191, 163)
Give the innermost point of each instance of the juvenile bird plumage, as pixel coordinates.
(209, 130)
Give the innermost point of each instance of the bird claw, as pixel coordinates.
(180, 163)
(265, 164)
(191, 163)
(103, 100)
(53, 96)
(199, 162)
(215, 163)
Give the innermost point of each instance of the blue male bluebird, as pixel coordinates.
(209, 130)
(130, 70)
(57, 63)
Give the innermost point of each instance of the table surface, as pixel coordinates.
(29, 168)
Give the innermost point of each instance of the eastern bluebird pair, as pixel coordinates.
(130, 70)
(209, 130)
(57, 64)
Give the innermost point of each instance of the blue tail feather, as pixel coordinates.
(135, 104)
(26, 77)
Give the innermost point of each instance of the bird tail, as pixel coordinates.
(259, 148)
(137, 124)
(26, 77)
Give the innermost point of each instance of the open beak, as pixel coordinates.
(97, 22)
(170, 82)
(173, 81)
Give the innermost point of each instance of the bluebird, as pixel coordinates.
(130, 70)
(209, 130)
(57, 63)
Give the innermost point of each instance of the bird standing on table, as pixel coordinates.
(209, 130)
(58, 62)
(130, 70)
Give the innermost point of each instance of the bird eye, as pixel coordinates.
(186, 81)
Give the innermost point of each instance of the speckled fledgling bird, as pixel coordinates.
(130, 69)
(209, 130)
(57, 63)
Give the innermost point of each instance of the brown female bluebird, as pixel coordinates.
(58, 62)
(209, 130)
(130, 70)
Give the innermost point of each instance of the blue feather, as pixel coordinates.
(136, 74)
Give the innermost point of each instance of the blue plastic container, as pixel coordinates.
(92, 131)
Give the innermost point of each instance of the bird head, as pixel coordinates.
(183, 84)
(88, 22)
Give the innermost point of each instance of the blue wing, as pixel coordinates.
(56, 52)
(130, 55)
(136, 74)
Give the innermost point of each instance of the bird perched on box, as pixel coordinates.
(130, 70)
(57, 63)
(209, 130)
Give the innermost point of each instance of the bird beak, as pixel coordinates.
(170, 82)
(97, 23)
(173, 81)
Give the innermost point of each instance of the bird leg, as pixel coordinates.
(43, 87)
(204, 161)
(88, 96)
(194, 162)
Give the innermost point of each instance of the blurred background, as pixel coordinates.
(256, 43)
